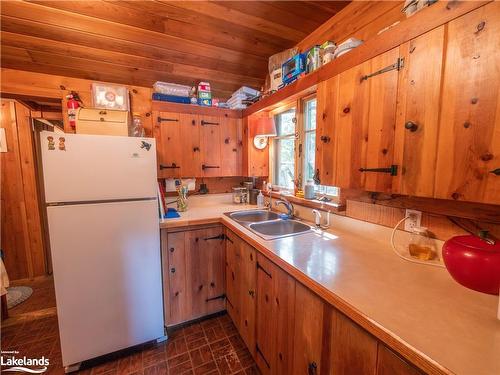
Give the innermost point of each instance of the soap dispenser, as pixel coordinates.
(260, 200)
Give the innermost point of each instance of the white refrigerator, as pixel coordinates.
(102, 212)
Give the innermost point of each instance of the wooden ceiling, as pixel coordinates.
(140, 42)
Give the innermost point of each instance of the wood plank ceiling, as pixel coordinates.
(140, 42)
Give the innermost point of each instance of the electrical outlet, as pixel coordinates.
(415, 219)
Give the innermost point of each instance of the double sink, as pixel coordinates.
(268, 224)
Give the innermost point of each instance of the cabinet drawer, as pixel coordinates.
(101, 122)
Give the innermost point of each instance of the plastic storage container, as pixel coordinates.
(172, 89)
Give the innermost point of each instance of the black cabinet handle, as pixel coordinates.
(163, 119)
(325, 139)
(251, 293)
(218, 237)
(312, 368)
(204, 166)
(172, 166)
(393, 170)
(196, 149)
(411, 126)
(496, 172)
(203, 123)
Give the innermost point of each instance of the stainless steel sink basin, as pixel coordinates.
(270, 230)
(253, 216)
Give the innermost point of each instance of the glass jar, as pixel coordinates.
(239, 195)
(421, 245)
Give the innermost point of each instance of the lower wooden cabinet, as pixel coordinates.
(193, 273)
(352, 349)
(291, 330)
(241, 287)
(308, 332)
(389, 363)
(275, 318)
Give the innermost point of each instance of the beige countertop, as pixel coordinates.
(418, 307)
(204, 209)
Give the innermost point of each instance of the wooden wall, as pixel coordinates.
(52, 86)
(21, 232)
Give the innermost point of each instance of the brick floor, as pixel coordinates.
(211, 346)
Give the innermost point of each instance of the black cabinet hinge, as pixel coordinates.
(257, 349)
(264, 270)
(218, 237)
(222, 296)
(398, 65)
(203, 123)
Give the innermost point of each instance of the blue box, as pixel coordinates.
(171, 98)
(293, 67)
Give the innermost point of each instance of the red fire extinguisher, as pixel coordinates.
(72, 104)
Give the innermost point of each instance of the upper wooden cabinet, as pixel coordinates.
(196, 145)
(326, 131)
(430, 109)
(469, 136)
(169, 143)
(417, 122)
(356, 120)
(255, 161)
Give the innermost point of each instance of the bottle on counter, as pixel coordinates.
(260, 200)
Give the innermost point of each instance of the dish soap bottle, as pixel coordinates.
(421, 245)
(260, 200)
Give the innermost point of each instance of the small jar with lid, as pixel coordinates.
(421, 245)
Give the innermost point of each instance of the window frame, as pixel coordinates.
(300, 138)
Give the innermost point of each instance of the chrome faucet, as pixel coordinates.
(287, 204)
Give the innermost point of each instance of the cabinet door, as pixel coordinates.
(255, 161)
(417, 123)
(169, 144)
(275, 318)
(210, 130)
(192, 158)
(231, 148)
(365, 121)
(389, 363)
(248, 295)
(326, 95)
(176, 293)
(353, 350)
(308, 332)
(233, 277)
(469, 134)
(204, 264)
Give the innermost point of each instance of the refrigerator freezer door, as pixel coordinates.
(79, 168)
(107, 274)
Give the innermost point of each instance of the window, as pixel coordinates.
(294, 148)
(284, 149)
